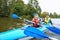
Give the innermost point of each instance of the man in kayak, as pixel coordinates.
(36, 20)
(47, 19)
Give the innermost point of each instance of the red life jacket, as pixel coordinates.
(36, 21)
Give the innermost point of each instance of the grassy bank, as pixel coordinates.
(7, 23)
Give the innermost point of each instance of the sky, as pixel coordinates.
(48, 5)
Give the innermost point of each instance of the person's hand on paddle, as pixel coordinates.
(20, 18)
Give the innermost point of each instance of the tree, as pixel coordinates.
(11, 7)
(51, 15)
(55, 15)
(30, 9)
(59, 16)
(43, 14)
(7, 7)
(19, 7)
(3, 7)
(35, 5)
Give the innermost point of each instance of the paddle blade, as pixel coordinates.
(54, 29)
(14, 16)
(31, 31)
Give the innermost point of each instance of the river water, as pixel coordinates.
(56, 23)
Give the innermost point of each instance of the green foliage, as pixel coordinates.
(11, 7)
(3, 7)
(51, 15)
(18, 7)
(58, 16)
(29, 10)
(43, 14)
(35, 5)
(55, 15)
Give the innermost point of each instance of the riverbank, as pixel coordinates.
(7, 23)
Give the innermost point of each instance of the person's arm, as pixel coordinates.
(51, 22)
(43, 20)
(33, 20)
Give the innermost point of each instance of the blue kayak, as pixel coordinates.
(12, 34)
(18, 33)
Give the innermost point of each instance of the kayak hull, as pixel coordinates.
(13, 34)
(18, 33)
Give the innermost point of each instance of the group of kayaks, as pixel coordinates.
(28, 31)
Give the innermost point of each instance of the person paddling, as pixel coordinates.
(48, 20)
(36, 20)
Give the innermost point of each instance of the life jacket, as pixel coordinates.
(47, 20)
(36, 21)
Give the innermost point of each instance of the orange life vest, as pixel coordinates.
(36, 21)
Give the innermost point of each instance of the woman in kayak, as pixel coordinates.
(36, 21)
(47, 19)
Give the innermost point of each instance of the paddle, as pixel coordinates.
(54, 29)
(15, 16)
(31, 31)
